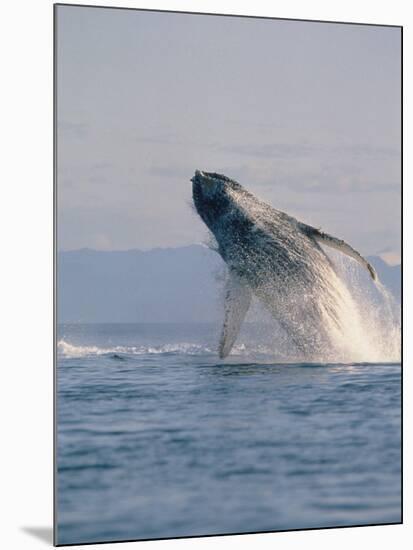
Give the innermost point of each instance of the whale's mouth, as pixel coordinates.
(209, 185)
(203, 184)
(199, 174)
(210, 195)
(209, 177)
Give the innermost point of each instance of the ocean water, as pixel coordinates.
(158, 438)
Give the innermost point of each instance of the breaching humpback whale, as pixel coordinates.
(275, 257)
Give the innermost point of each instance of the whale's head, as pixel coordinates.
(214, 196)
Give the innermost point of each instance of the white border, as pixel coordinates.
(26, 254)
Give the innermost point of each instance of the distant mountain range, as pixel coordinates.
(160, 285)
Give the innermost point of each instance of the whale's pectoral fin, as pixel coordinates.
(237, 302)
(338, 244)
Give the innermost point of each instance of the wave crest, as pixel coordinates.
(68, 350)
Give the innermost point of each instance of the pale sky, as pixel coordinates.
(304, 115)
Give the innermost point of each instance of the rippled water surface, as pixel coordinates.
(158, 438)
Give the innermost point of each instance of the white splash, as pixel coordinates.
(369, 317)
